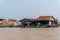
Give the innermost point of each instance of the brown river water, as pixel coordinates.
(30, 33)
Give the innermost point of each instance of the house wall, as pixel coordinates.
(51, 19)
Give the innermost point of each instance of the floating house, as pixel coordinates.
(40, 21)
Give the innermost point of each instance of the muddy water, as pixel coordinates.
(30, 33)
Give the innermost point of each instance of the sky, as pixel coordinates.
(19, 9)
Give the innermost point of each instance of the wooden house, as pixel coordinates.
(45, 20)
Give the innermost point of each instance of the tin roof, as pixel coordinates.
(45, 17)
(41, 18)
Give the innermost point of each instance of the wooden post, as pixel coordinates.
(49, 22)
(28, 24)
